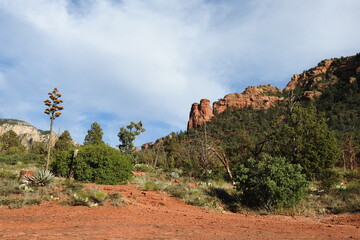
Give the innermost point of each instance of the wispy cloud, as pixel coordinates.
(132, 60)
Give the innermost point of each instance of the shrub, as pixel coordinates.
(150, 185)
(79, 199)
(97, 196)
(98, 163)
(91, 197)
(270, 183)
(116, 199)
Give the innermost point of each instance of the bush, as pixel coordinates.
(63, 163)
(116, 199)
(98, 163)
(270, 183)
(91, 197)
(151, 186)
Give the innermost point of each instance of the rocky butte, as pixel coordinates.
(307, 86)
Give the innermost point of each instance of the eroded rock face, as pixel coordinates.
(200, 113)
(260, 97)
(28, 134)
(309, 77)
(148, 145)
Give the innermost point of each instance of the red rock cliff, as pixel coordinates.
(260, 97)
(200, 113)
(310, 77)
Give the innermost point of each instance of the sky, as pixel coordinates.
(117, 61)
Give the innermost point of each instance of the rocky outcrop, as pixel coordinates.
(148, 145)
(200, 113)
(27, 133)
(312, 77)
(260, 97)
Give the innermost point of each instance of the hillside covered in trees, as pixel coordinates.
(314, 122)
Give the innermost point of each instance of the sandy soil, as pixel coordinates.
(154, 215)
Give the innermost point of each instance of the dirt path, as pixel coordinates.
(158, 216)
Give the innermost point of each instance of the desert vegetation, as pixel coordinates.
(298, 157)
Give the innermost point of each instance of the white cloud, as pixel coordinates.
(132, 60)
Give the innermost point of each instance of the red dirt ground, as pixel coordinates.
(159, 216)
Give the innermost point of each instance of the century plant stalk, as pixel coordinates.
(54, 111)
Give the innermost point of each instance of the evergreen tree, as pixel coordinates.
(305, 139)
(94, 135)
(65, 142)
(128, 135)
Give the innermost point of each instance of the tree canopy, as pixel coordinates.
(94, 135)
(128, 135)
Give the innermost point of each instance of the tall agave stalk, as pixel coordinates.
(53, 111)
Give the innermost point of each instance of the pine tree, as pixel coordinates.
(65, 142)
(306, 139)
(128, 135)
(94, 135)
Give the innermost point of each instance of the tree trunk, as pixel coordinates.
(223, 159)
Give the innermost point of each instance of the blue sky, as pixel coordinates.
(149, 60)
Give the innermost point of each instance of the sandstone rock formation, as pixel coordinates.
(28, 134)
(260, 97)
(200, 113)
(310, 77)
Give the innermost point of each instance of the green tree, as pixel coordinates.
(94, 135)
(270, 183)
(305, 138)
(128, 135)
(53, 110)
(97, 163)
(64, 142)
(10, 141)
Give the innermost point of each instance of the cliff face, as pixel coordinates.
(200, 113)
(307, 85)
(311, 78)
(260, 97)
(27, 133)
